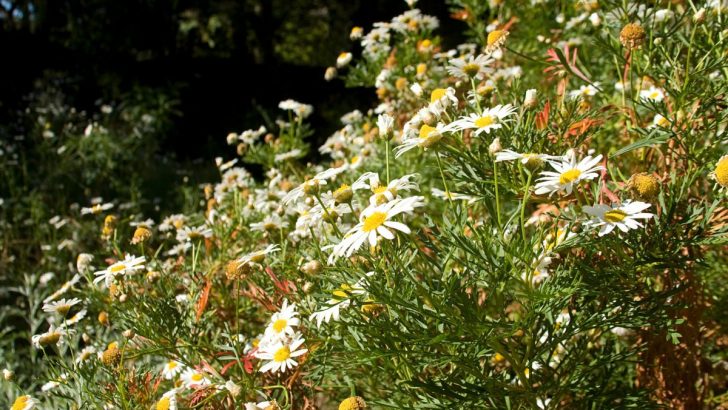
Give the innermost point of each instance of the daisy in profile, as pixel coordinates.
(61, 307)
(192, 378)
(75, 318)
(54, 335)
(567, 174)
(375, 222)
(454, 196)
(171, 369)
(525, 159)
(63, 289)
(130, 264)
(384, 193)
(283, 322)
(96, 209)
(623, 217)
(193, 233)
(490, 119)
(441, 99)
(85, 354)
(168, 401)
(24, 403)
(470, 67)
(280, 355)
(425, 138)
(584, 91)
(341, 300)
(343, 59)
(311, 186)
(652, 94)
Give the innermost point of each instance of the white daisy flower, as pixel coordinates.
(258, 406)
(299, 109)
(441, 99)
(425, 138)
(96, 209)
(190, 234)
(280, 355)
(75, 318)
(171, 369)
(508, 155)
(168, 401)
(24, 403)
(568, 174)
(283, 322)
(470, 67)
(192, 378)
(384, 193)
(311, 186)
(129, 265)
(63, 289)
(54, 335)
(375, 222)
(385, 124)
(490, 119)
(343, 59)
(584, 91)
(85, 354)
(652, 94)
(61, 306)
(624, 216)
(454, 196)
(341, 300)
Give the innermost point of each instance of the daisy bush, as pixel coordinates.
(531, 219)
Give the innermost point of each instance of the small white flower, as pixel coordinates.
(584, 91)
(130, 264)
(470, 67)
(280, 355)
(490, 119)
(61, 306)
(624, 216)
(282, 323)
(194, 379)
(168, 401)
(568, 174)
(96, 209)
(171, 369)
(375, 222)
(385, 124)
(652, 94)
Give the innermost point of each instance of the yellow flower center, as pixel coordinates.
(374, 221)
(117, 268)
(354, 159)
(654, 95)
(721, 171)
(279, 325)
(178, 224)
(484, 121)
(426, 43)
(171, 365)
(343, 55)
(380, 190)
(421, 68)
(494, 36)
(282, 354)
(569, 176)
(425, 131)
(471, 69)
(63, 309)
(615, 215)
(20, 403)
(197, 377)
(437, 93)
(163, 404)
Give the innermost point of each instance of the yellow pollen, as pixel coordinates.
(425, 131)
(494, 36)
(117, 268)
(437, 93)
(569, 176)
(282, 354)
(163, 404)
(374, 221)
(615, 215)
(279, 325)
(484, 121)
(721, 171)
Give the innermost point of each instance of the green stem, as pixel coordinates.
(523, 206)
(442, 175)
(497, 196)
(386, 149)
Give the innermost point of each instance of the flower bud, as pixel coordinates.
(330, 73)
(312, 267)
(8, 374)
(343, 195)
(529, 101)
(495, 146)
